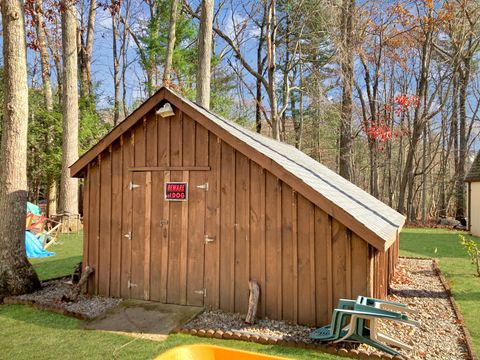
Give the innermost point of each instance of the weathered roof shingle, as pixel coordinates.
(380, 222)
(365, 208)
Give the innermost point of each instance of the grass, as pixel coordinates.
(33, 334)
(444, 245)
(29, 333)
(68, 253)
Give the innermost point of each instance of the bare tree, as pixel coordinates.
(346, 61)
(85, 45)
(47, 94)
(114, 10)
(69, 186)
(16, 274)
(205, 53)
(268, 81)
(171, 42)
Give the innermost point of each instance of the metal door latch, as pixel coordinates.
(208, 239)
(130, 284)
(163, 222)
(132, 186)
(128, 235)
(201, 292)
(203, 186)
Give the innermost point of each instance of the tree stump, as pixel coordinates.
(252, 301)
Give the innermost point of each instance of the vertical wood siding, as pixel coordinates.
(303, 259)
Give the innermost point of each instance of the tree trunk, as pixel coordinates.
(372, 150)
(271, 34)
(205, 53)
(68, 185)
(346, 140)
(463, 143)
(171, 43)
(51, 197)
(299, 130)
(16, 274)
(48, 98)
(116, 65)
(44, 57)
(419, 122)
(124, 55)
(424, 178)
(258, 81)
(86, 53)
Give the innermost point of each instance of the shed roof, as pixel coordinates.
(474, 173)
(367, 216)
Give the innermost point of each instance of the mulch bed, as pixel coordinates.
(49, 298)
(417, 284)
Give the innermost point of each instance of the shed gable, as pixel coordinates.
(374, 221)
(261, 228)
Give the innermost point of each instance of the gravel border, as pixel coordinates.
(418, 283)
(49, 298)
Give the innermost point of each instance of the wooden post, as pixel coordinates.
(77, 288)
(252, 301)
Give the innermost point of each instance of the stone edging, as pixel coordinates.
(456, 310)
(265, 340)
(53, 308)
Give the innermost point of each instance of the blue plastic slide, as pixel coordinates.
(34, 248)
(34, 209)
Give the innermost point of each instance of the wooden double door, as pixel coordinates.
(167, 238)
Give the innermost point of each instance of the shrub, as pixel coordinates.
(472, 250)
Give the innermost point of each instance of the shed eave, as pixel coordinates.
(371, 237)
(77, 167)
(381, 241)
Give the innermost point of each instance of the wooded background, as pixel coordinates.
(384, 92)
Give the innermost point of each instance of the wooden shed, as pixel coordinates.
(186, 209)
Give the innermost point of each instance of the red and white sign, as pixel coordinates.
(176, 191)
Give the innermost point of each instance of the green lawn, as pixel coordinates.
(28, 333)
(32, 334)
(455, 265)
(68, 253)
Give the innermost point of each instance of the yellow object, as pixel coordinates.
(210, 352)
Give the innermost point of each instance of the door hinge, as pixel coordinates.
(203, 186)
(208, 239)
(128, 235)
(132, 186)
(130, 284)
(201, 292)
